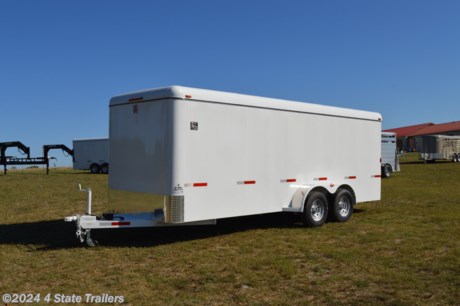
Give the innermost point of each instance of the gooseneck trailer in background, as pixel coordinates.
(182, 156)
(13, 161)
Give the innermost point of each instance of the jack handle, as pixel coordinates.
(88, 198)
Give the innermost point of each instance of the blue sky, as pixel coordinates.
(61, 61)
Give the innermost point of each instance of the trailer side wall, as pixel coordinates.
(234, 144)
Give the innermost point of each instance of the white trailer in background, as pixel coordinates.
(91, 154)
(438, 147)
(185, 156)
(390, 158)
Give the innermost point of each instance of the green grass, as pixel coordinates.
(403, 250)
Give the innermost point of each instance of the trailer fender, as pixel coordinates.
(349, 188)
(297, 200)
(321, 189)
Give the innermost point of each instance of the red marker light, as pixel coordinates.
(252, 182)
(120, 223)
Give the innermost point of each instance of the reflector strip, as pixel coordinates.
(188, 96)
(118, 223)
(350, 177)
(288, 181)
(376, 176)
(321, 179)
(136, 99)
(246, 182)
(199, 184)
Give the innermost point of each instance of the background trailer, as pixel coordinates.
(438, 147)
(180, 155)
(390, 157)
(92, 154)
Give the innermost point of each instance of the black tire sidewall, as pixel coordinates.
(94, 166)
(335, 206)
(387, 170)
(105, 166)
(306, 216)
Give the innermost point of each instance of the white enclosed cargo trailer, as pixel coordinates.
(438, 147)
(91, 154)
(183, 155)
(390, 157)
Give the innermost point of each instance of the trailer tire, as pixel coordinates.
(387, 170)
(105, 168)
(342, 207)
(315, 209)
(94, 168)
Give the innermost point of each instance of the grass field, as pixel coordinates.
(403, 250)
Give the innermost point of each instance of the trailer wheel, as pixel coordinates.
(387, 170)
(315, 210)
(105, 168)
(342, 207)
(94, 168)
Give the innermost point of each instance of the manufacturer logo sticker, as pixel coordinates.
(177, 190)
(194, 126)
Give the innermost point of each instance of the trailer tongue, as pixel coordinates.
(85, 223)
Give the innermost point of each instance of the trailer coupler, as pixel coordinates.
(83, 234)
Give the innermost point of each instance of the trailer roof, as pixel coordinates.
(91, 139)
(440, 136)
(195, 94)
